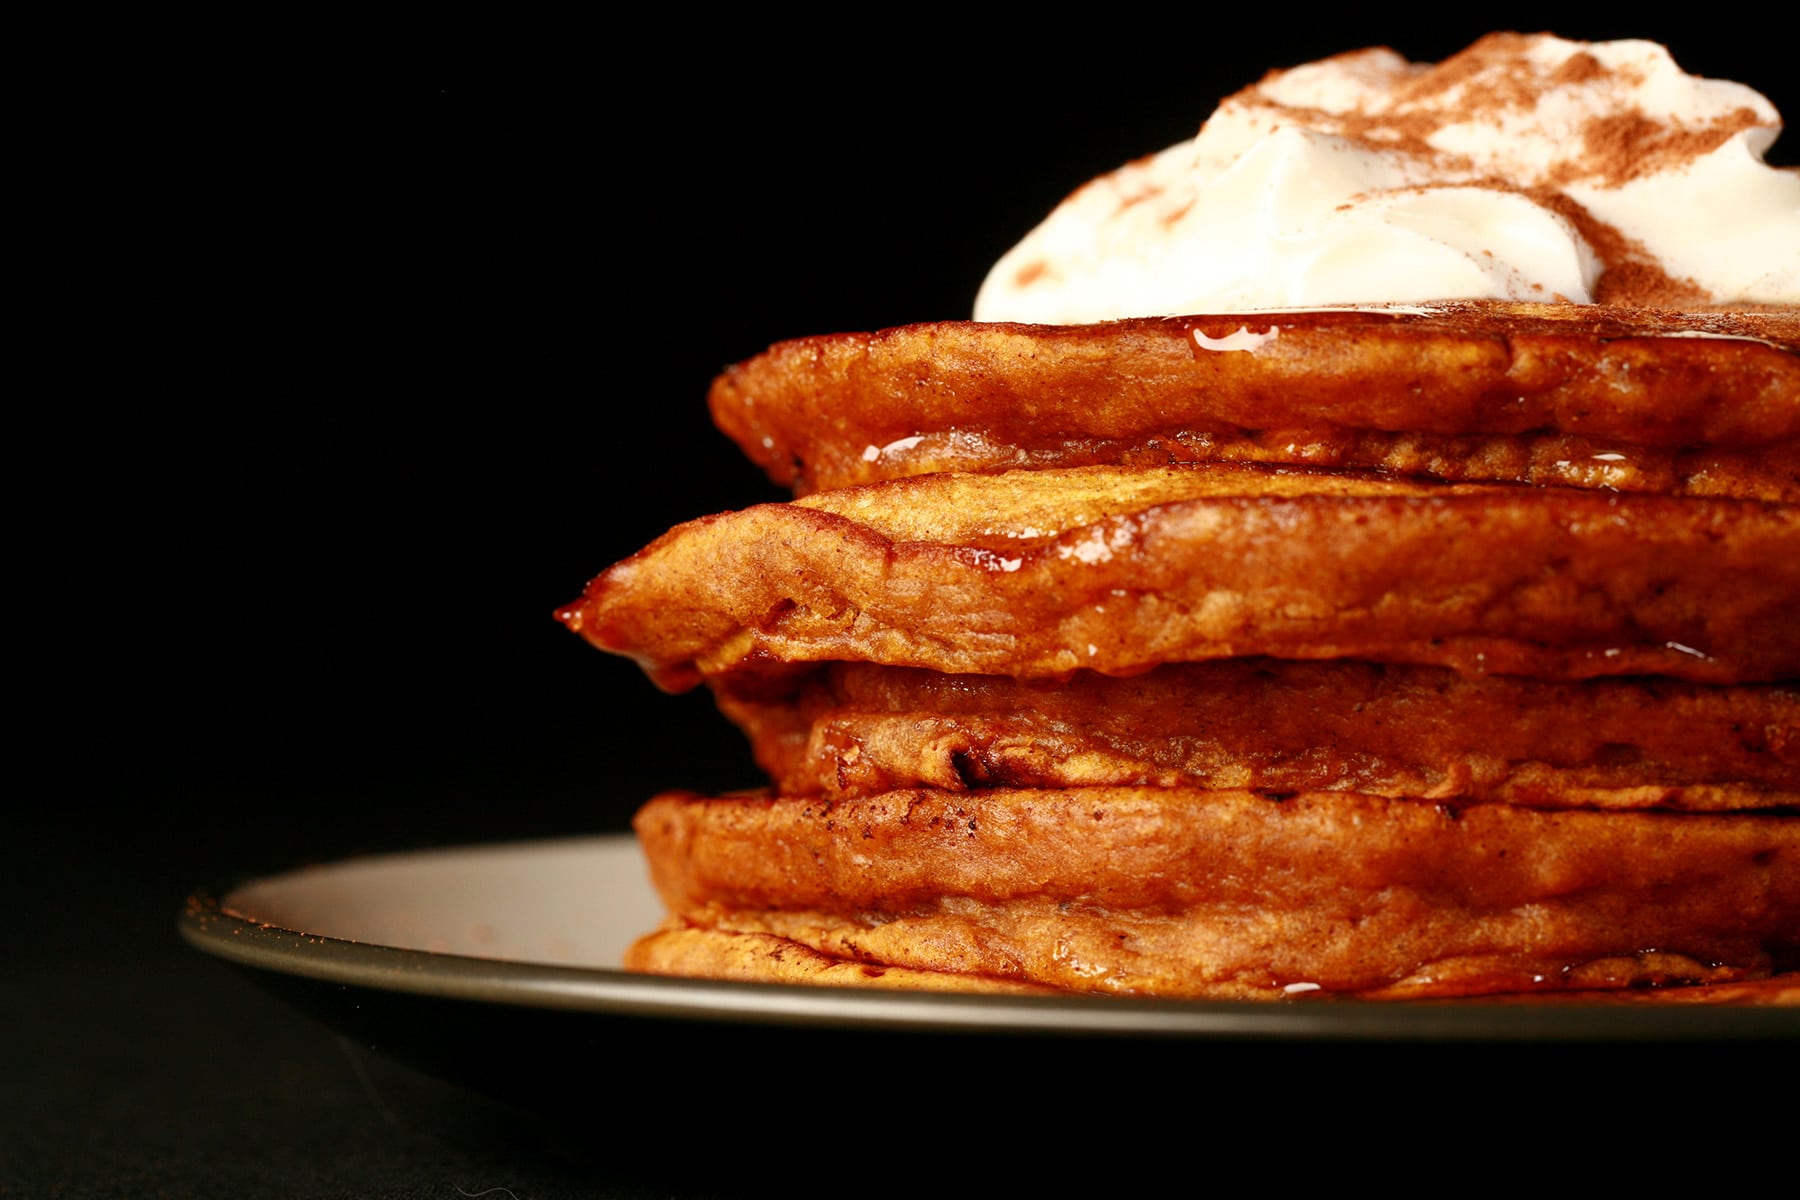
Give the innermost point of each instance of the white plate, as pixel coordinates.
(574, 903)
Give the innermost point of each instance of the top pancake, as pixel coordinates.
(1576, 395)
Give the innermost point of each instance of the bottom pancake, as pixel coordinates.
(765, 958)
(1191, 893)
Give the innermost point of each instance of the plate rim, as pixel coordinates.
(208, 925)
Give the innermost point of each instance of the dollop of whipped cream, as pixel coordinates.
(1527, 167)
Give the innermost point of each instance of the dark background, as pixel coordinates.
(351, 353)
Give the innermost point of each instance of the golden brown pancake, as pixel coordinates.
(1036, 574)
(1635, 400)
(681, 949)
(1268, 725)
(1189, 893)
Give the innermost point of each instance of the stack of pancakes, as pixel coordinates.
(1411, 652)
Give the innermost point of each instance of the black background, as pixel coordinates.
(350, 353)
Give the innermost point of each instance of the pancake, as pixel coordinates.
(1181, 892)
(1264, 724)
(1035, 574)
(1638, 400)
(681, 949)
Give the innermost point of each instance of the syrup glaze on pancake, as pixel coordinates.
(1642, 400)
(1263, 724)
(1183, 892)
(1035, 574)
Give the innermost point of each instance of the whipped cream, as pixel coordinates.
(1525, 168)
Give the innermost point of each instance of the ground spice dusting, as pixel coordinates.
(1494, 76)
(1457, 70)
(1640, 283)
(1629, 146)
(1578, 69)
(1408, 133)
(1608, 144)
(1489, 77)
(1633, 276)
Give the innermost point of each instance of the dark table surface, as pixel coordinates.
(355, 352)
